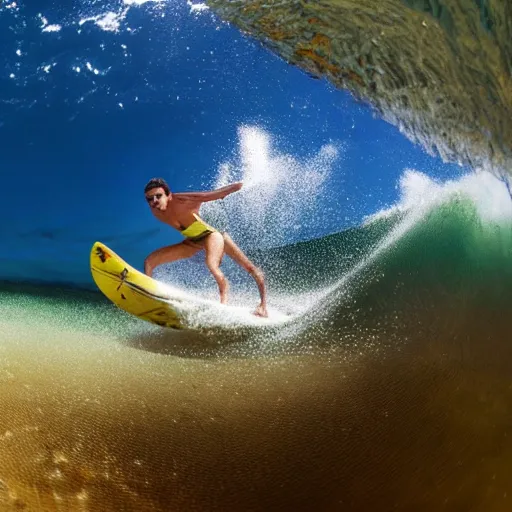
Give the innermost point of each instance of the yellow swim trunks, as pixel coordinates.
(198, 230)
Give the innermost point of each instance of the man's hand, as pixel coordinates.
(235, 187)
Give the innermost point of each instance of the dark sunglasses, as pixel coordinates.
(150, 199)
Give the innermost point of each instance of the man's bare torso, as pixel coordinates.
(179, 213)
(182, 207)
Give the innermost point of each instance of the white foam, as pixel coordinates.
(200, 312)
(52, 28)
(109, 21)
(197, 8)
(419, 194)
(46, 27)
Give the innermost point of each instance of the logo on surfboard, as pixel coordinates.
(102, 254)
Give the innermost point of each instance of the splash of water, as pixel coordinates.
(279, 201)
(420, 195)
(280, 190)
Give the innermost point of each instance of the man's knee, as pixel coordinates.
(218, 275)
(149, 263)
(214, 268)
(255, 271)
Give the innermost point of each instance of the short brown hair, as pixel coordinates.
(157, 183)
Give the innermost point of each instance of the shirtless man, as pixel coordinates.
(181, 211)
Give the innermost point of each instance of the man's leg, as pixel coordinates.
(234, 252)
(167, 254)
(214, 247)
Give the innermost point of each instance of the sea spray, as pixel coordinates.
(478, 203)
(280, 199)
(278, 203)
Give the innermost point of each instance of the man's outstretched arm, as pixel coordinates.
(212, 195)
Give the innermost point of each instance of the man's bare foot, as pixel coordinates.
(261, 310)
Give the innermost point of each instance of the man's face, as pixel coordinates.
(157, 199)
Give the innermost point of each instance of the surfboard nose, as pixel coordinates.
(131, 290)
(99, 253)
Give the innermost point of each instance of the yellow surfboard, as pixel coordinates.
(131, 290)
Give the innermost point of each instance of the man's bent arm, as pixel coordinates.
(212, 195)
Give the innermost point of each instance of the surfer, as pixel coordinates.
(181, 211)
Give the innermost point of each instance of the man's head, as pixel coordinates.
(157, 193)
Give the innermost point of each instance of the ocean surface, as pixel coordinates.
(387, 388)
